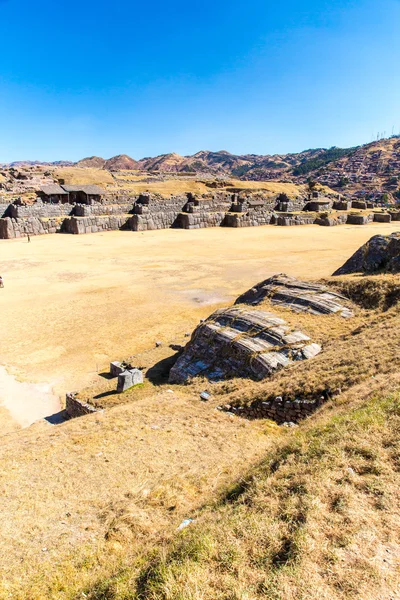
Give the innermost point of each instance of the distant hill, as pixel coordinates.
(368, 170)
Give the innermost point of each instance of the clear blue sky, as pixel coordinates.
(84, 77)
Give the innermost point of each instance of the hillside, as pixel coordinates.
(371, 169)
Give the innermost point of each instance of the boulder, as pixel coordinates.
(380, 253)
(129, 378)
(297, 295)
(241, 342)
(116, 368)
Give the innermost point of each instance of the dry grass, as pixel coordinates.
(72, 175)
(318, 519)
(88, 494)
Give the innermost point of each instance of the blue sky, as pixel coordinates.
(79, 78)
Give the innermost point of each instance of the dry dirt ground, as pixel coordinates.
(73, 303)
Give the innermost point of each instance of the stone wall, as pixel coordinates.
(359, 204)
(290, 206)
(40, 209)
(100, 210)
(75, 408)
(359, 219)
(382, 218)
(79, 225)
(249, 219)
(318, 206)
(331, 221)
(288, 220)
(342, 205)
(16, 228)
(4, 210)
(277, 410)
(199, 220)
(153, 220)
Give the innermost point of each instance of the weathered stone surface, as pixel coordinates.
(116, 368)
(129, 378)
(359, 219)
(237, 342)
(297, 295)
(382, 218)
(278, 409)
(380, 253)
(76, 408)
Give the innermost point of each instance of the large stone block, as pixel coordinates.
(128, 379)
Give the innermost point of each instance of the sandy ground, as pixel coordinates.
(73, 303)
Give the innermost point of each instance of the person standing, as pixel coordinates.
(1, 282)
(29, 238)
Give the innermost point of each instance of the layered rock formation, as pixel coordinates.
(237, 342)
(297, 295)
(380, 253)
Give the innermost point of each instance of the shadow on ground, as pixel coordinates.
(57, 418)
(159, 373)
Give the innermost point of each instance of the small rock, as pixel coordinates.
(158, 344)
(187, 334)
(289, 424)
(205, 396)
(184, 524)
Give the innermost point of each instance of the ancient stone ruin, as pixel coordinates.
(128, 376)
(380, 254)
(297, 295)
(87, 209)
(238, 342)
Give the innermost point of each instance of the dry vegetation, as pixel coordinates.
(72, 175)
(136, 182)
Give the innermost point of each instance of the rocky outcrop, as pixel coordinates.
(380, 253)
(241, 342)
(297, 295)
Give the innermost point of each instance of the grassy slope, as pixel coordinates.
(318, 518)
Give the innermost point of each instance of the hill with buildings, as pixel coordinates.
(370, 170)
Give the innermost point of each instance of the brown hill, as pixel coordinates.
(94, 162)
(122, 162)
